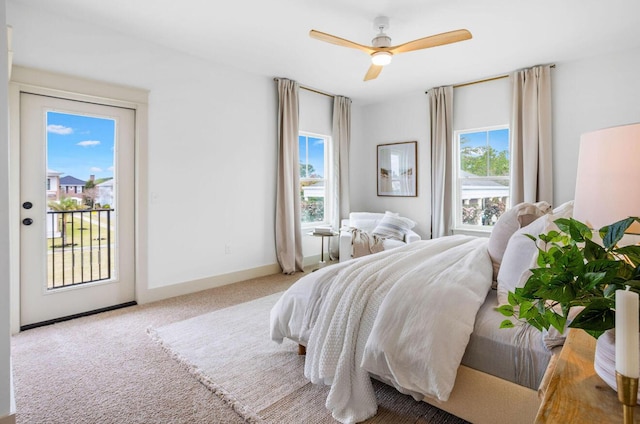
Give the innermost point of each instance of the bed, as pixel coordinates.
(420, 318)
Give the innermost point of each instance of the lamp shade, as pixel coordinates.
(608, 178)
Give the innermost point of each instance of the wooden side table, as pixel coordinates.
(575, 393)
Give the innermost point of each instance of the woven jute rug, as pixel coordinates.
(230, 352)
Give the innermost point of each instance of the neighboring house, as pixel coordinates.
(72, 187)
(53, 184)
(53, 195)
(480, 194)
(104, 194)
(313, 190)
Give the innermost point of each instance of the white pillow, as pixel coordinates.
(393, 226)
(521, 253)
(564, 210)
(365, 221)
(509, 222)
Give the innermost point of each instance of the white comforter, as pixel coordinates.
(404, 315)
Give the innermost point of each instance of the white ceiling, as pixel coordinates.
(270, 37)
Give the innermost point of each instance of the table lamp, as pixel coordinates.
(607, 191)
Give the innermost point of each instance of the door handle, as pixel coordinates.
(27, 221)
(27, 205)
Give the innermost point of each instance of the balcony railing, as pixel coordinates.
(79, 247)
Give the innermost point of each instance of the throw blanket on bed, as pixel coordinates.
(405, 315)
(364, 243)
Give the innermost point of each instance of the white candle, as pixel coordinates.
(627, 350)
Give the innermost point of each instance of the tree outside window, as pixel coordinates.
(313, 158)
(483, 176)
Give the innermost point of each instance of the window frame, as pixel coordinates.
(458, 179)
(326, 178)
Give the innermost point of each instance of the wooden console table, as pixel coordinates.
(575, 393)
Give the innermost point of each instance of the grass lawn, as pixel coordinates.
(85, 257)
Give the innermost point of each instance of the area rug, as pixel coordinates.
(230, 352)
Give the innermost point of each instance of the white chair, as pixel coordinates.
(368, 221)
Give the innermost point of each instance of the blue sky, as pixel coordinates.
(498, 139)
(312, 149)
(79, 145)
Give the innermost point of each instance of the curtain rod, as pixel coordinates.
(314, 90)
(464, 84)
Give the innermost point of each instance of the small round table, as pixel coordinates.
(323, 235)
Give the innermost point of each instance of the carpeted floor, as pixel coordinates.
(230, 352)
(105, 369)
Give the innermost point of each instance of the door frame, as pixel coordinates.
(73, 88)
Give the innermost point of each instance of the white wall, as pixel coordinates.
(403, 118)
(588, 94)
(5, 341)
(211, 157)
(211, 145)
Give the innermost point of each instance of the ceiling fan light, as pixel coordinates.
(381, 58)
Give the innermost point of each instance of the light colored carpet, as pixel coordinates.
(230, 352)
(105, 369)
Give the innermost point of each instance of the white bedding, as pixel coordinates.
(404, 315)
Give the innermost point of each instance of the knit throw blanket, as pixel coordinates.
(364, 243)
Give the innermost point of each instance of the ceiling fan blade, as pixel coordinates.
(432, 41)
(339, 41)
(373, 72)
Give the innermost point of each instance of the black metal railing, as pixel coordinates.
(79, 247)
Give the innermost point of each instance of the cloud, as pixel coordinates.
(59, 129)
(111, 168)
(88, 143)
(95, 169)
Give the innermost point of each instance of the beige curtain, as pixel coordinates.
(531, 169)
(339, 153)
(288, 234)
(441, 111)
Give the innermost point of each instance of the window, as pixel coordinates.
(313, 151)
(482, 176)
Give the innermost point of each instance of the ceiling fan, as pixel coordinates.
(381, 50)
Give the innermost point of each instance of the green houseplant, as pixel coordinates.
(573, 270)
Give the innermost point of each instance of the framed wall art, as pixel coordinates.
(397, 171)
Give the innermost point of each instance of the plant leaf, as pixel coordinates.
(593, 251)
(506, 324)
(528, 310)
(631, 252)
(559, 289)
(578, 231)
(556, 320)
(591, 280)
(596, 316)
(513, 298)
(611, 234)
(506, 310)
(594, 333)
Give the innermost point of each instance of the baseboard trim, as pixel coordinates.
(188, 287)
(9, 419)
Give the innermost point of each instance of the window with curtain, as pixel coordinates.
(481, 173)
(314, 168)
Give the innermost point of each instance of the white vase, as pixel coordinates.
(605, 359)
